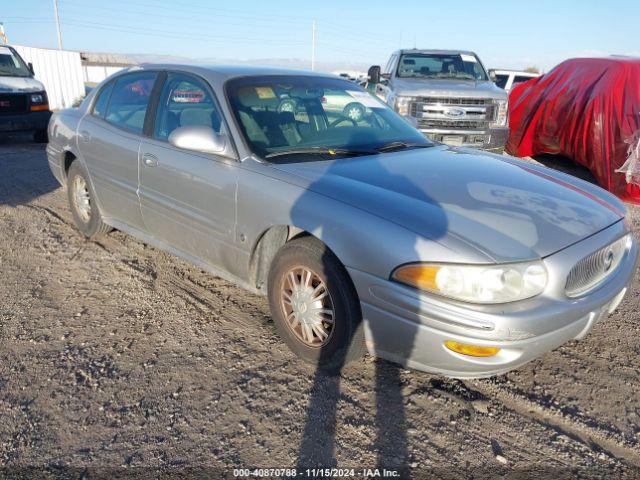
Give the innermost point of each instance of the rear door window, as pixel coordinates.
(185, 100)
(129, 101)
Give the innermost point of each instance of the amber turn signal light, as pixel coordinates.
(36, 108)
(420, 276)
(471, 350)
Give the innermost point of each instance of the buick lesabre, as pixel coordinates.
(363, 234)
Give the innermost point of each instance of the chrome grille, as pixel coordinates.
(594, 269)
(456, 101)
(453, 114)
(449, 124)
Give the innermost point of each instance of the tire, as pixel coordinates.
(40, 136)
(355, 111)
(89, 223)
(345, 342)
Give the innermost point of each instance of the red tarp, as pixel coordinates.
(587, 109)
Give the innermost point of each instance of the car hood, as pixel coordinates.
(447, 87)
(19, 84)
(504, 208)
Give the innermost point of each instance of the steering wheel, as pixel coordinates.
(341, 119)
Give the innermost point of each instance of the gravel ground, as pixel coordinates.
(118, 360)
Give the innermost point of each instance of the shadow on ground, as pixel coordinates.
(24, 172)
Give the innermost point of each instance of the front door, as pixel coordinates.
(109, 141)
(188, 198)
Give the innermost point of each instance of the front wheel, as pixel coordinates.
(314, 304)
(84, 208)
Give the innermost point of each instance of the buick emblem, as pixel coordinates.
(608, 260)
(454, 112)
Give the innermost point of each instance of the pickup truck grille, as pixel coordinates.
(456, 101)
(453, 114)
(447, 124)
(13, 103)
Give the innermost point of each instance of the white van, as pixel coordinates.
(24, 105)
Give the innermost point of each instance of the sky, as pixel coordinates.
(505, 34)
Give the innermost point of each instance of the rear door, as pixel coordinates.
(188, 198)
(109, 141)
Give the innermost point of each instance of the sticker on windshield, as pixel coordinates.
(468, 58)
(264, 93)
(366, 99)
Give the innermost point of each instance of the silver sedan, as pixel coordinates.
(363, 234)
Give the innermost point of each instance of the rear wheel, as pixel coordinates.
(314, 305)
(84, 208)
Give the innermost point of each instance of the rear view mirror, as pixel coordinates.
(374, 74)
(492, 75)
(200, 138)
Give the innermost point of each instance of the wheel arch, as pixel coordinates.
(68, 157)
(266, 248)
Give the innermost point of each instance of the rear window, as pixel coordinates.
(501, 80)
(520, 79)
(130, 99)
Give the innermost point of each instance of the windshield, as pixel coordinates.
(289, 118)
(441, 65)
(11, 65)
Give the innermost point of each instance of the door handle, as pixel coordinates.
(150, 160)
(85, 136)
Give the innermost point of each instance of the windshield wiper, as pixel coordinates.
(321, 151)
(393, 146)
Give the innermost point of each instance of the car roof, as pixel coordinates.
(226, 72)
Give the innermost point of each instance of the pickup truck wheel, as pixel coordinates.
(84, 209)
(314, 304)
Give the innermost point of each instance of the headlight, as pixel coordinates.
(402, 104)
(476, 283)
(38, 98)
(502, 114)
(39, 102)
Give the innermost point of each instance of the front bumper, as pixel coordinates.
(410, 327)
(493, 140)
(25, 121)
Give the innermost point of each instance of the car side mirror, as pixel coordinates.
(201, 138)
(492, 75)
(31, 68)
(374, 74)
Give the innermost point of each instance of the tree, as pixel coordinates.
(532, 69)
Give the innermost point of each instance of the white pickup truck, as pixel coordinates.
(447, 95)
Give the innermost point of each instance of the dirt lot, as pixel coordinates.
(117, 359)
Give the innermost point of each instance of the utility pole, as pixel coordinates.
(313, 46)
(55, 11)
(3, 36)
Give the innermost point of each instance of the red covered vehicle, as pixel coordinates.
(587, 109)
